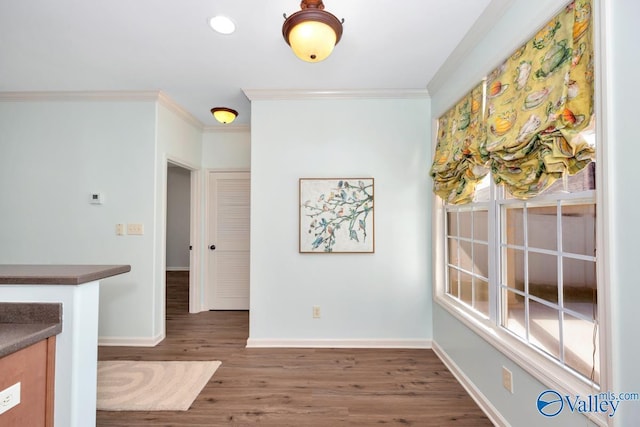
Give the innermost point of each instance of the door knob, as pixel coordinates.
(212, 247)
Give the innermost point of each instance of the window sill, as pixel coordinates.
(550, 373)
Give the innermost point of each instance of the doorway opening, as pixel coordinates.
(181, 238)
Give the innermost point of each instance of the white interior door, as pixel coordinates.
(228, 254)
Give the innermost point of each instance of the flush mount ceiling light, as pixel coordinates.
(224, 115)
(222, 24)
(312, 32)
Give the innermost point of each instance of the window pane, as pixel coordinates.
(453, 282)
(514, 227)
(580, 292)
(543, 276)
(481, 302)
(464, 221)
(514, 316)
(582, 181)
(481, 259)
(579, 229)
(452, 223)
(579, 344)
(542, 229)
(480, 225)
(466, 293)
(453, 252)
(514, 269)
(544, 327)
(483, 190)
(465, 256)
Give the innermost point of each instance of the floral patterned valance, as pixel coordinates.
(458, 163)
(537, 102)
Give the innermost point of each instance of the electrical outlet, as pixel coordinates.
(507, 379)
(316, 311)
(135, 229)
(120, 229)
(9, 397)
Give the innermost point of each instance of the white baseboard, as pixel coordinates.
(130, 341)
(177, 268)
(485, 404)
(339, 343)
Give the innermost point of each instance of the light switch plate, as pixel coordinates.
(135, 229)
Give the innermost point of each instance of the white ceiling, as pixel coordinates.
(167, 45)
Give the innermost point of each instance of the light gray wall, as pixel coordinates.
(362, 296)
(623, 92)
(227, 148)
(54, 154)
(480, 362)
(178, 218)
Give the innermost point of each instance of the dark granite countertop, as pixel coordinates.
(28, 274)
(24, 324)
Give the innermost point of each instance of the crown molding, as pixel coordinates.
(302, 94)
(180, 111)
(80, 96)
(230, 128)
(104, 96)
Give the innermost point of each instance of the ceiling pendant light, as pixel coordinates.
(224, 115)
(311, 32)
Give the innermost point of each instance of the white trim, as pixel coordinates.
(150, 96)
(230, 128)
(604, 217)
(177, 268)
(301, 94)
(223, 170)
(196, 294)
(130, 341)
(180, 111)
(483, 402)
(105, 96)
(339, 343)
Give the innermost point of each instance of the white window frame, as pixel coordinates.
(540, 366)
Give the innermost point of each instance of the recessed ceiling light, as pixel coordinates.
(222, 24)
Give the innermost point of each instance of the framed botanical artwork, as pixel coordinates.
(336, 215)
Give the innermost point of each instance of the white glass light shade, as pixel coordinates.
(224, 115)
(312, 41)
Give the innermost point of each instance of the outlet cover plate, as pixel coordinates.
(9, 397)
(507, 379)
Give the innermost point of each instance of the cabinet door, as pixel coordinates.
(29, 368)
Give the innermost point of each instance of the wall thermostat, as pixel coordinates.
(97, 198)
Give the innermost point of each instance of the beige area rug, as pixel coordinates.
(151, 386)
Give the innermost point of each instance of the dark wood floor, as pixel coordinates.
(294, 387)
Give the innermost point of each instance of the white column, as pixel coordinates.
(76, 347)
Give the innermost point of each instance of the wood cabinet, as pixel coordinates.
(34, 368)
